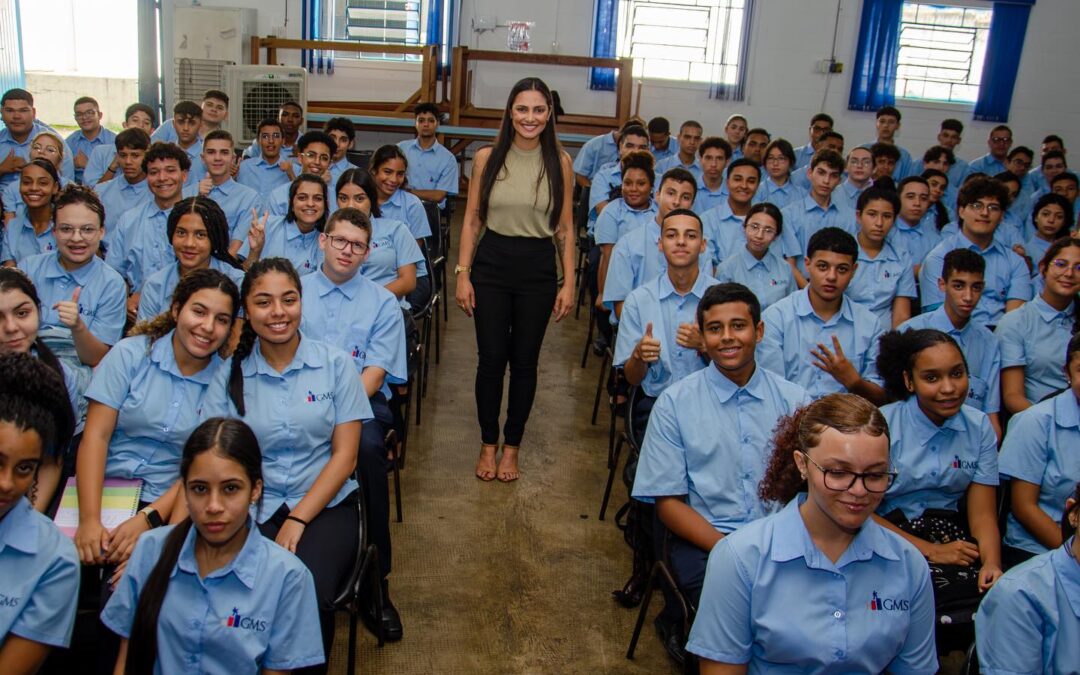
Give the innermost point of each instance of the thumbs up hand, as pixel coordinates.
(648, 348)
(68, 311)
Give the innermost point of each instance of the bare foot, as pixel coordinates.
(508, 464)
(485, 466)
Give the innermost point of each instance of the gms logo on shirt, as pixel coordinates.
(245, 622)
(958, 463)
(8, 601)
(880, 604)
(358, 353)
(318, 398)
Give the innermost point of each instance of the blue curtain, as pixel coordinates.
(873, 77)
(604, 44)
(437, 9)
(1003, 50)
(736, 91)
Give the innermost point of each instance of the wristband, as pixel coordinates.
(299, 520)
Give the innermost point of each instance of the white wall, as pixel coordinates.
(789, 36)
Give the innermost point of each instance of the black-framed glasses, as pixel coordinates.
(839, 480)
(340, 243)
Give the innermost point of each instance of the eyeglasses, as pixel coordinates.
(269, 137)
(1001, 139)
(311, 155)
(865, 161)
(340, 243)
(776, 159)
(764, 231)
(1063, 265)
(979, 207)
(839, 480)
(820, 130)
(47, 149)
(86, 231)
(86, 114)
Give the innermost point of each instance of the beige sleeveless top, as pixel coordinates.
(517, 206)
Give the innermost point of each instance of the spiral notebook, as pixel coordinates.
(119, 501)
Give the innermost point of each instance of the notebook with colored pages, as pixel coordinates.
(119, 501)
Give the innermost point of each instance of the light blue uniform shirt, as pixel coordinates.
(936, 464)
(435, 168)
(157, 292)
(339, 167)
(392, 247)
(262, 176)
(1029, 622)
(793, 328)
(360, 317)
(957, 172)
(259, 612)
(166, 133)
(8, 145)
(293, 413)
(985, 164)
(1011, 230)
(407, 208)
(982, 351)
(99, 161)
(597, 151)
(671, 149)
(139, 244)
(102, 301)
(1035, 247)
(78, 142)
(285, 240)
(617, 219)
(12, 198)
(657, 302)
(40, 572)
(1041, 448)
(773, 600)
(803, 218)
(846, 194)
(673, 162)
(916, 241)
(634, 260)
(20, 241)
(779, 195)
(769, 278)
(803, 155)
(157, 406)
(723, 231)
(707, 199)
(606, 179)
(236, 201)
(878, 281)
(710, 439)
(1007, 278)
(1034, 337)
(118, 196)
(287, 151)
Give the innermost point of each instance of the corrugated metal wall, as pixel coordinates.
(11, 63)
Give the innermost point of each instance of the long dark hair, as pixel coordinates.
(290, 216)
(363, 180)
(1056, 248)
(33, 398)
(46, 166)
(214, 220)
(550, 149)
(941, 212)
(190, 284)
(229, 438)
(383, 155)
(1066, 208)
(246, 343)
(898, 353)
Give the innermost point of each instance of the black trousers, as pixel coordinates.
(515, 283)
(371, 460)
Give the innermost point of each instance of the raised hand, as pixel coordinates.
(68, 310)
(648, 348)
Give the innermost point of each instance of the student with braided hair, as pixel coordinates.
(199, 232)
(305, 403)
(37, 562)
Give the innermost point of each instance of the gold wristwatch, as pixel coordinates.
(458, 269)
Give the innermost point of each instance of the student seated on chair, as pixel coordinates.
(626, 213)
(961, 284)
(660, 138)
(735, 133)
(608, 178)
(819, 124)
(1053, 164)
(130, 189)
(689, 138)
(89, 135)
(212, 593)
(1018, 163)
(597, 151)
(1035, 181)
(357, 315)
(714, 153)
(943, 451)
(819, 586)
(981, 204)
(304, 402)
(291, 117)
(777, 187)
(858, 169)
(433, 170)
(999, 140)
(829, 140)
(295, 235)
(103, 165)
(884, 282)
(235, 200)
(938, 214)
(757, 139)
(817, 337)
(723, 223)
(1052, 217)
(887, 123)
(942, 159)
(30, 231)
(887, 160)
(659, 342)
(343, 132)
(1068, 186)
(707, 442)
(183, 131)
(46, 146)
(1039, 455)
(271, 168)
(756, 265)
(912, 233)
(1028, 621)
(1032, 341)
(314, 152)
(950, 135)
(20, 128)
(637, 257)
(815, 211)
(214, 110)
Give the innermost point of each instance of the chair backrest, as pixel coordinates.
(581, 213)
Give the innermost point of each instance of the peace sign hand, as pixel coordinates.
(835, 363)
(257, 233)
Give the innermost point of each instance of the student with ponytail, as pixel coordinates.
(38, 564)
(943, 450)
(819, 586)
(144, 400)
(211, 594)
(304, 401)
(199, 232)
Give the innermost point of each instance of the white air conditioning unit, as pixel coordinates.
(205, 40)
(256, 92)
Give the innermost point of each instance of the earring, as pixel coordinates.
(803, 476)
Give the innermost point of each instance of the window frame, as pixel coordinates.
(423, 14)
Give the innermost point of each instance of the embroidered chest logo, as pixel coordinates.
(358, 353)
(958, 463)
(318, 398)
(880, 604)
(8, 601)
(245, 622)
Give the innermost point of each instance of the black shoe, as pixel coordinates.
(672, 638)
(599, 345)
(390, 619)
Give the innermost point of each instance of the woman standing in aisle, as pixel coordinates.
(520, 194)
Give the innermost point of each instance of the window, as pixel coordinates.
(683, 40)
(942, 48)
(396, 22)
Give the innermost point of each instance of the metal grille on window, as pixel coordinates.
(942, 49)
(397, 22)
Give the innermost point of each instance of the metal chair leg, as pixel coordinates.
(600, 385)
(588, 338)
(613, 466)
(643, 612)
